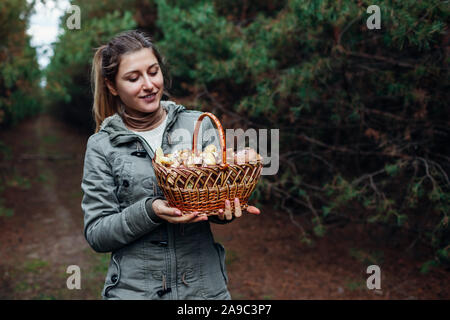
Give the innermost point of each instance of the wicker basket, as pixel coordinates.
(205, 188)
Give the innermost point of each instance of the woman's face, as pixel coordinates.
(139, 82)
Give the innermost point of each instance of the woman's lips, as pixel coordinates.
(149, 97)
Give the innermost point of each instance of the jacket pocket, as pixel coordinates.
(113, 276)
(222, 255)
(125, 183)
(149, 186)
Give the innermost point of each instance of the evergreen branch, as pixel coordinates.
(291, 217)
(376, 57)
(416, 23)
(384, 113)
(351, 151)
(339, 38)
(368, 176)
(442, 171)
(205, 92)
(286, 155)
(427, 171)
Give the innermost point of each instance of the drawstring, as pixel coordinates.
(164, 290)
(164, 282)
(184, 280)
(140, 151)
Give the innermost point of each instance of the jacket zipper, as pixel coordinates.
(171, 234)
(169, 247)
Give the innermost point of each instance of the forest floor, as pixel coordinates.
(41, 234)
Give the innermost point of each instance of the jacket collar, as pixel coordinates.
(119, 133)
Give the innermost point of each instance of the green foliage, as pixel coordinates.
(391, 169)
(367, 257)
(191, 40)
(18, 181)
(428, 265)
(35, 265)
(4, 211)
(20, 93)
(19, 73)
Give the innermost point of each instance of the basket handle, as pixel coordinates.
(221, 135)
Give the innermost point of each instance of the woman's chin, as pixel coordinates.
(144, 107)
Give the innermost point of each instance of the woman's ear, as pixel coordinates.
(111, 87)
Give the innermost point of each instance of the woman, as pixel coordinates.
(157, 252)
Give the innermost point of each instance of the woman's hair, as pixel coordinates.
(105, 64)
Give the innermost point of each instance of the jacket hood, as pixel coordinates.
(119, 133)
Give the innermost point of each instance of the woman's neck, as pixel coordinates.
(143, 121)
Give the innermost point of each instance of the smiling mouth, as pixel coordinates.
(148, 96)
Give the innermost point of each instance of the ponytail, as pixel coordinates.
(105, 104)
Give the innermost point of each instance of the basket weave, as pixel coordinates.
(205, 189)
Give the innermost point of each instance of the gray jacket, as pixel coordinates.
(150, 258)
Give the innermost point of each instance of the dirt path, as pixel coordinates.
(44, 234)
(265, 258)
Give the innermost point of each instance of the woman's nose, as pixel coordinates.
(148, 84)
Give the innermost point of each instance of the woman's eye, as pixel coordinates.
(132, 80)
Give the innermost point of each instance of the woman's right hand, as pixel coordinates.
(174, 215)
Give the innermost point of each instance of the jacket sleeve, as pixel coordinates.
(106, 228)
(213, 139)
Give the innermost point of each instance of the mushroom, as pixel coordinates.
(210, 148)
(208, 158)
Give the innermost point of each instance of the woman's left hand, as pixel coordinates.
(227, 214)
